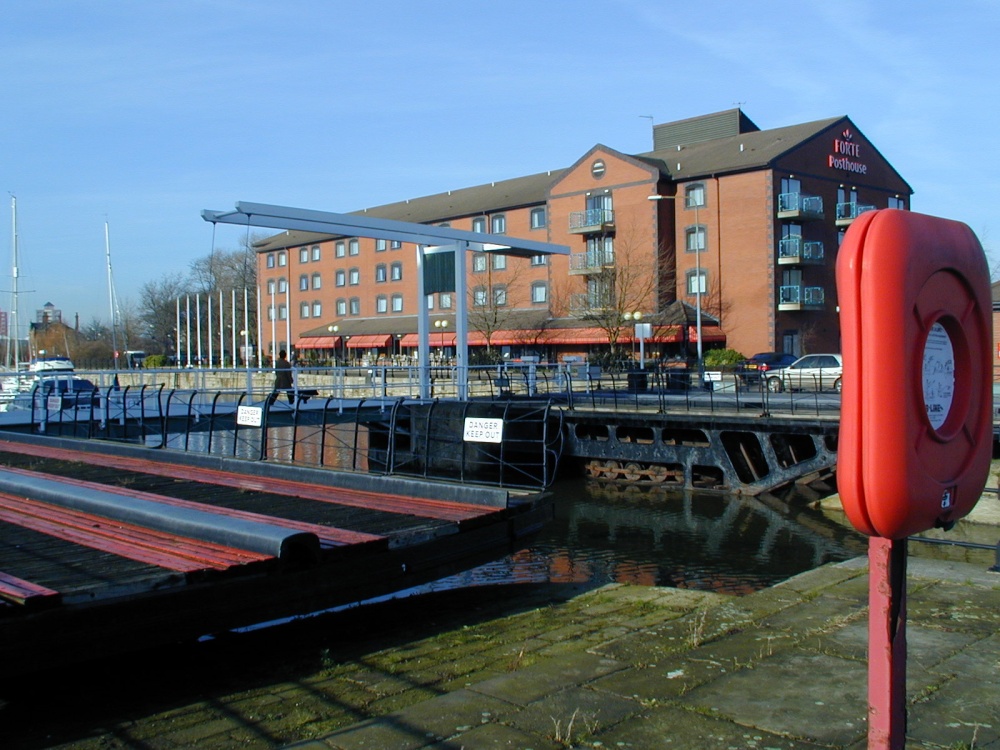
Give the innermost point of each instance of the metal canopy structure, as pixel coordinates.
(426, 237)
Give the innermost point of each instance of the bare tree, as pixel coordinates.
(624, 279)
(490, 310)
(157, 309)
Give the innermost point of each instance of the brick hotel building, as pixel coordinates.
(721, 220)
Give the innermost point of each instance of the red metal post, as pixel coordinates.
(886, 643)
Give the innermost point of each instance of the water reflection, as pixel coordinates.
(702, 541)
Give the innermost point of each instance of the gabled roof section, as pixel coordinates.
(736, 153)
(589, 155)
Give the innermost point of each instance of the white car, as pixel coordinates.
(813, 372)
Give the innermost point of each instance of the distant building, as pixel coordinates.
(48, 314)
(721, 218)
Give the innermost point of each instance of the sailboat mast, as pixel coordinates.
(111, 294)
(12, 337)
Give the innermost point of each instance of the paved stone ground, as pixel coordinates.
(552, 667)
(784, 668)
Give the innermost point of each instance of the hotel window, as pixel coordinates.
(270, 286)
(499, 262)
(339, 250)
(317, 309)
(354, 277)
(500, 296)
(444, 300)
(304, 310)
(317, 281)
(498, 224)
(694, 240)
(303, 282)
(341, 307)
(479, 224)
(270, 312)
(315, 252)
(282, 285)
(397, 303)
(380, 275)
(381, 304)
(479, 262)
(430, 301)
(396, 271)
(303, 255)
(395, 245)
(282, 312)
(282, 259)
(694, 196)
(539, 293)
(479, 296)
(697, 282)
(270, 260)
(340, 278)
(538, 260)
(380, 246)
(538, 218)
(355, 306)
(353, 247)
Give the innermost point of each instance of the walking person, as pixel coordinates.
(283, 379)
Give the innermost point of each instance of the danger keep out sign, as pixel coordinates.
(483, 430)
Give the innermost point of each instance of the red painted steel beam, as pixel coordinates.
(333, 537)
(126, 540)
(444, 510)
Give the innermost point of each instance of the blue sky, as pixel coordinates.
(141, 114)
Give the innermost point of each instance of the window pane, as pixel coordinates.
(315, 252)
(397, 303)
(317, 281)
(317, 309)
(499, 262)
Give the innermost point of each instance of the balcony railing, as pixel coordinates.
(848, 212)
(794, 251)
(582, 303)
(591, 262)
(591, 220)
(801, 297)
(799, 206)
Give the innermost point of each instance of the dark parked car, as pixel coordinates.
(753, 370)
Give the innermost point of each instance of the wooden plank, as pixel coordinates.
(446, 510)
(22, 592)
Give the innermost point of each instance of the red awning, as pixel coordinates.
(317, 342)
(708, 333)
(376, 341)
(412, 340)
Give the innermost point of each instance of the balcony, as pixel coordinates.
(592, 221)
(584, 303)
(800, 206)
(590, 262)
(791, 298)
(848, 212)
(792, 251)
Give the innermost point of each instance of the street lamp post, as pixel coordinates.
(442, 324)
(333, 329)
(640, 333)
(699, 277)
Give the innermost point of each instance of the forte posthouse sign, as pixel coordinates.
(846, 154)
